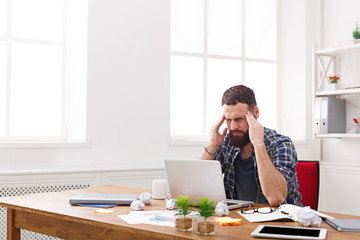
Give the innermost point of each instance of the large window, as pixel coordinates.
(216, 44)
(43, 70)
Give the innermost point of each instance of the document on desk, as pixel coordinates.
(146, 217)
(275, 215)
(285, 212)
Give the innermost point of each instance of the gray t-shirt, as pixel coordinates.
(245, 182)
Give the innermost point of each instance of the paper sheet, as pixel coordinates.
(146, 217)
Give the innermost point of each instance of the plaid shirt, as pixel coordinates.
(281, 152)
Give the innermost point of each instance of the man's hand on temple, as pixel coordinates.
(256, 130)
(215, 137)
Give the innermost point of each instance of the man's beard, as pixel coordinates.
(239, 141)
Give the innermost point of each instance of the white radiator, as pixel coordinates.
(24, 190)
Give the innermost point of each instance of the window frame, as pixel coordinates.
(183, 140)
(7, 141)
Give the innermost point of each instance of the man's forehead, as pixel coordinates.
(231, 116)
(234, 114)
(238, 109)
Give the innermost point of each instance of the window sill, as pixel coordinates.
(204, 142)
(188, 142)
(86, 144)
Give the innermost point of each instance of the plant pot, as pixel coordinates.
(204, 226)
(333, 81)
(183, 223)
(357, 40)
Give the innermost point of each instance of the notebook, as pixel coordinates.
(285, 212)
(198, 178)
(345, 225)
(102, 198)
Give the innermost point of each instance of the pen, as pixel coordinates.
(355, 120)
(286, 213)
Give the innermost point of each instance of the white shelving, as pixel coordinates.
(338, 135)
(326, 63)
(350, 91)
(344, 50)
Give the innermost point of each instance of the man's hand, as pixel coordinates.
(256, 130)
(273, 183)
(215, 137)
(215, 140)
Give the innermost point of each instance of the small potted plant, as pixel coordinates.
(334, 79)
(356, 33)
(204, 224)
(183, 222)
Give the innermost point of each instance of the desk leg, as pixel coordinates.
(13, 233)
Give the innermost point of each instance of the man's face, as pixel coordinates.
(237, 124)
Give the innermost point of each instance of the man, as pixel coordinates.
(259, 164)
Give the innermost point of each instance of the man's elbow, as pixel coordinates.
(276, 199)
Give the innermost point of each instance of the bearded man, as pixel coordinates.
(258, 163)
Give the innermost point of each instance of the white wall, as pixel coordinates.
(298, 27)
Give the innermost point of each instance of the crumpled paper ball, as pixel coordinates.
(146, 197)
(307, 216)
(170, 203)
(221, 209)
(137, 205)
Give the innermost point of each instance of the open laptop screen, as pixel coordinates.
(197, 178)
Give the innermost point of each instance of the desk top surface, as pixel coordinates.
(57, 205)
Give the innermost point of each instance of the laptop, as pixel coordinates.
(198, 178)
(102, 198)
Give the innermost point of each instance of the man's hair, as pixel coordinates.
(239, 94)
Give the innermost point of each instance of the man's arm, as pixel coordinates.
(273, 183)
(215, 140)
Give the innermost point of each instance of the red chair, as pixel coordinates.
(309, 177)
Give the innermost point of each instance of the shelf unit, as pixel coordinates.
(319, 80)
(343, 50)
(352, 91)
(338, 135)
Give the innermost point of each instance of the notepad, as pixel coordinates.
(345, 225)
(102, 210)
(228, 221)
(286, 212)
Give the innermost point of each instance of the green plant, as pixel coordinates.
(356, 32)
(183, 205)
(334, 79)
(206, 207)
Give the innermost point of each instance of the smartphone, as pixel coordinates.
(285, 232)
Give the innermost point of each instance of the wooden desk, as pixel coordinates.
(51, 214)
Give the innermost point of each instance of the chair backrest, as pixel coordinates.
(309, 176)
